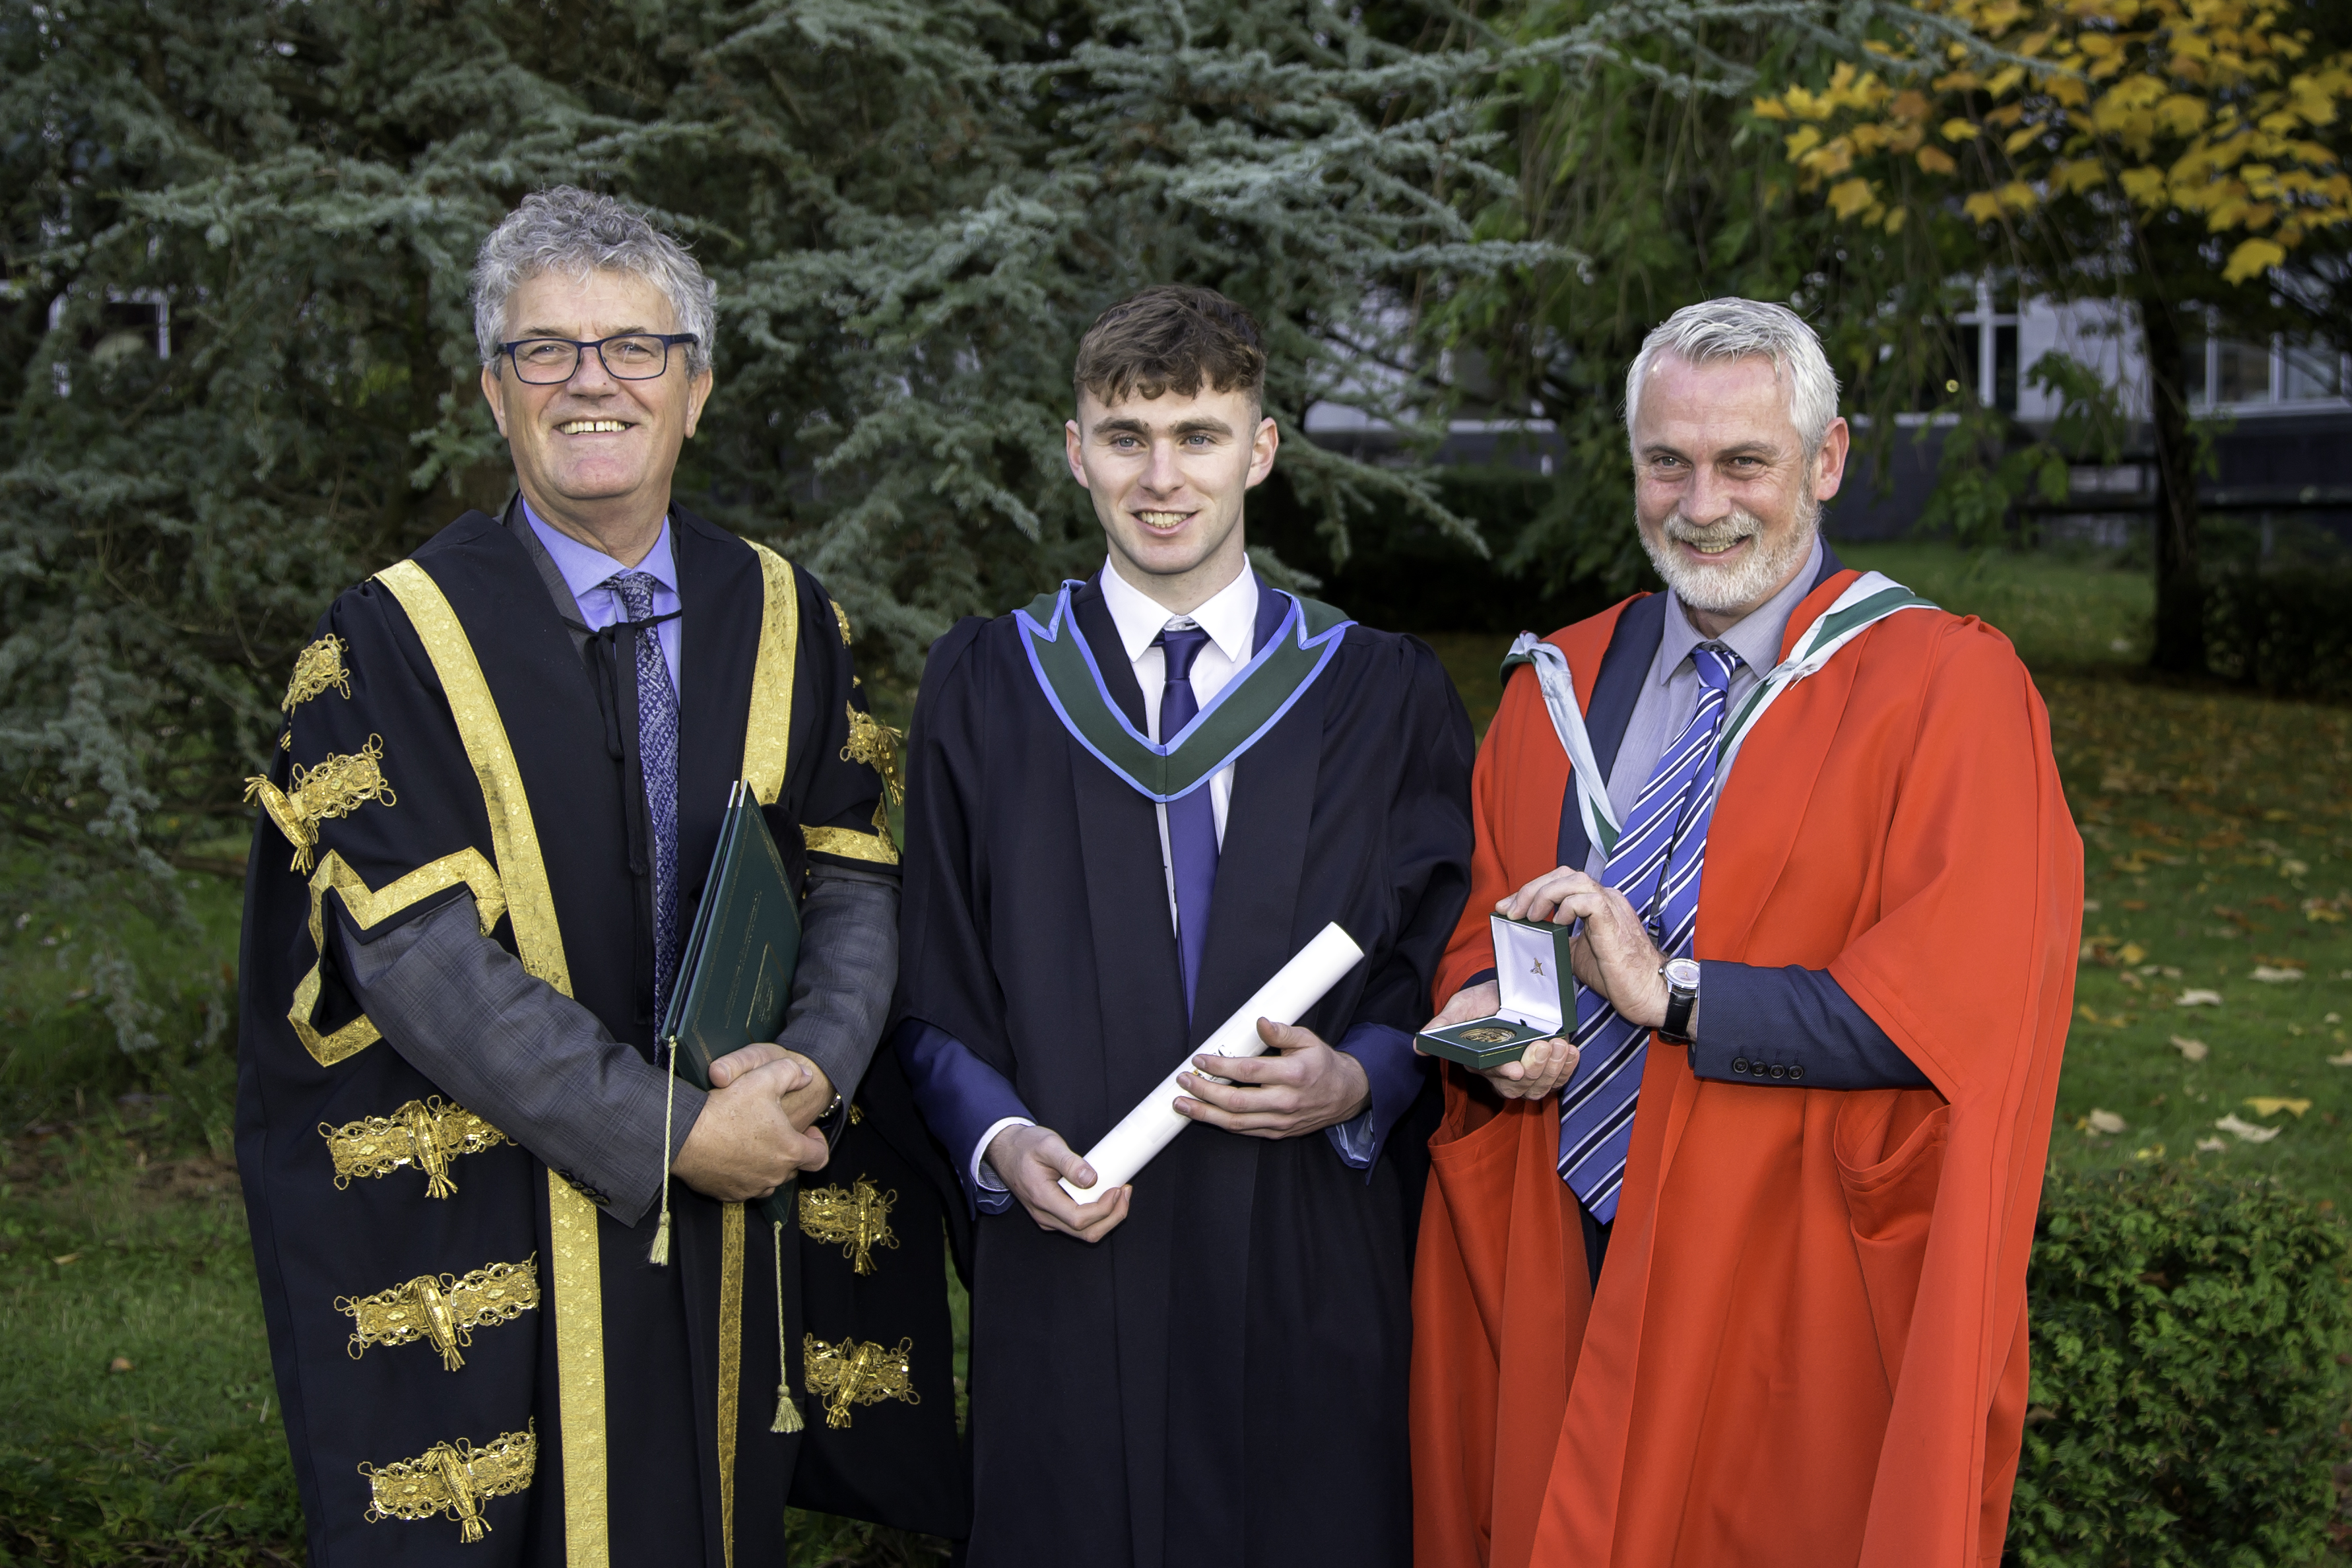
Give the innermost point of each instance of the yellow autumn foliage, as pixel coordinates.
(2195, 106)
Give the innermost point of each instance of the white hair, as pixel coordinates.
(566, 229)
(1735, 329)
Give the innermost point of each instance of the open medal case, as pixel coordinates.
(1532, 972)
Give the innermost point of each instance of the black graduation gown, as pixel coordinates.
(1222, 1380)
(625, 1413)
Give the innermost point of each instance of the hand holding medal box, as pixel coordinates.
(1531, 971)
(1153, 1124)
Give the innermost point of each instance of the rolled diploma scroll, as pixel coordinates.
(1153, 1124)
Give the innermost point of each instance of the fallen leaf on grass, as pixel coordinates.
(2153, 1151)
(2212, 1146)
(2341, 1059)
(2131, 953)
(2197, 1051)
(2197, 998)
(2270, 1105)
(2271, 976)
(120, 1364)
(69, 1257)
(2103, 1122)
(2247, 1131)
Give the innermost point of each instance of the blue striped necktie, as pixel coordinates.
(1656, 866)
(657, 757)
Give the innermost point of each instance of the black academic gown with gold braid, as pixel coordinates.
(467, 1349)
(1222, 1380)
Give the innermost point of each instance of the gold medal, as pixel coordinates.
(1487, 1035)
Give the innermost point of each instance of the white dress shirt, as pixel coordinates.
(1229, 618)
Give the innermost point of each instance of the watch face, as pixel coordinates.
(1682, 974)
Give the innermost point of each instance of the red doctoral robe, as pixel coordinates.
(1809, 1344)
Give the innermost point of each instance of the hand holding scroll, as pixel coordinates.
(1032, 1162)
(1303, 1087)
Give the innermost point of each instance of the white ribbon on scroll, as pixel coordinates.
(1153, 1124)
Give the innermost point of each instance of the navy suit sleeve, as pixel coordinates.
(1792, 1026)
(1394, 1072)
(960, 1097)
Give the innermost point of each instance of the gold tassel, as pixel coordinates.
(788, 1409)
(659, 1254)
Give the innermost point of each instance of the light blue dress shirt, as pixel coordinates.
(585, 570)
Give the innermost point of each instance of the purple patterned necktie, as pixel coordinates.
(657, 754)
(1192, 820)
(1656, 866)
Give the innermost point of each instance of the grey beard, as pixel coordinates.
(1714, 591)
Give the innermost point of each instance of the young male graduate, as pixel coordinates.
(1736, 1274)
(1207, 1367)
(501, 779)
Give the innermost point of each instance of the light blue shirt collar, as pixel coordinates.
(586, 568)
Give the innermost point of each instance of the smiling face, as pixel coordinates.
(595, 455)
(1168, 475)
(1727, 496)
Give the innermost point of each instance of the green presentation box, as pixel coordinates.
(1532, 970)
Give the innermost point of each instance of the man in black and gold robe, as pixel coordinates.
(504, 768)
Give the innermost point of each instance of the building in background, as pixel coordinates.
(2282, 422)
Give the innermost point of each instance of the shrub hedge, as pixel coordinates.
(2283, 628)
(2188, 1393)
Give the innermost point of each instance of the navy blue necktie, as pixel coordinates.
(1192, 821)
(658, 756)
(1656, 866)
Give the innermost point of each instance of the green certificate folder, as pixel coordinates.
(735, 977)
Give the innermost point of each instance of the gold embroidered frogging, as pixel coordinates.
(454, 1479)
(840, 617)
(857, 1372)
(316, 668)
(876, 745)
(338, 786)
(426, 1133)
(443, 1308)
(856, 1218)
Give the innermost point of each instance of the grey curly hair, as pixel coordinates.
(566, 229)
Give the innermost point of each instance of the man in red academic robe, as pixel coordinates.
(1734, 1270)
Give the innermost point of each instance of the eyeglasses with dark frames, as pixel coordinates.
(627, 356)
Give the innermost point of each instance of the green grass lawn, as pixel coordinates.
(137, 1420)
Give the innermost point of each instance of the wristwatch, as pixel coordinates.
(1681, 975)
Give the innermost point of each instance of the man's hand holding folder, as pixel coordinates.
(754, 1133)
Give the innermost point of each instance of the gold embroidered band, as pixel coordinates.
(768, 726)
(730, 1368)
(367, 907)
(857, 1372)
(316, 668)
(338, 786)
(426, 1133)
(454, 1479)
(852, 844)
(856, 1218)
(575, 1294)
(443, 1308)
